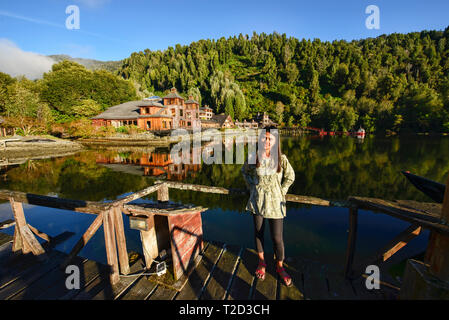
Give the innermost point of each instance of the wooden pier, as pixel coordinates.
(224, 272)
(30, 270)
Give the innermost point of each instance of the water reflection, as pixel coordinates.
(328, 167)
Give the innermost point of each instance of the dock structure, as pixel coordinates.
(212, 271)
(224, 272)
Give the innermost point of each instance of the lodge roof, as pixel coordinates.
(192, 101)
(220, 118)
(173, 94)
(127, 110)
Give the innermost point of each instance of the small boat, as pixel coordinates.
(429, 187)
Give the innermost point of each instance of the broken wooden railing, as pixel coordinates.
(108, 214)
(420, 215)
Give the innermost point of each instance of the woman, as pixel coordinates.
(268, 181)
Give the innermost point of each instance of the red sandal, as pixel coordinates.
(284, 278)
(259, 273)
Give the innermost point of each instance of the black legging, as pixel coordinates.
(276, 226)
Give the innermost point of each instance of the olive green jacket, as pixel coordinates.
(268, 187)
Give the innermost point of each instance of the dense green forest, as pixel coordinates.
(394, 82)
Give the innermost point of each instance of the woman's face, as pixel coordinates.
(269, 140)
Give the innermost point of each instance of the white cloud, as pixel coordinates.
(17, 62)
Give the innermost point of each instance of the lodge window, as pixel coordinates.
(164, 124)
(189, 124)
(180, 112)
(149, 124)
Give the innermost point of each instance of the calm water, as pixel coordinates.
(329, 167)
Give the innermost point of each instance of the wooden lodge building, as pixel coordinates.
(150, 114)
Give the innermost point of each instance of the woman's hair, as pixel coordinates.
(278, 142)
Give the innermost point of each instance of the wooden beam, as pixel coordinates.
(134, 196)
(438, 248)
(162, 193)
(110, 244)
(19, 217)
(352, 238)
(53, 202)
(399, 242)
(121, 240)
(28, 238)
(84, 239)
(149, 242)
(386, 252)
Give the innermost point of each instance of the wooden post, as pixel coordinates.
(352, 237)
(438, 248)
(23, 236)
(110, 244)
(121, 240)
(149, 242)
(19, 217)
(162, 193)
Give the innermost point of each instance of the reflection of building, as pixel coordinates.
(154, 164)
(151, 114)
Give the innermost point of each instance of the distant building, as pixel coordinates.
(247, 124)
(206, 113)
(151, 114)
(218, 121)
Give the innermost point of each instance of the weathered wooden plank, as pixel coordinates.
(102, 281)
(266, 289)
(134, 196)
(295, 292)
(39, 233)
(121, 240)
(139, 290)
(114, 291)
(389, 249)
(244, 276)
(438, 247)
(404, 213)
(31, 241)
(110, 245)
(362, 293)
(6, 224)
(149, 242)
(19, 217)
(162, 193)
(22, 280)
(53, 202)
(33, 289)
(163, 293)
(199, 276)
(4, 238)
(84, 239)
(89, 270)
(219, 283)
(352, 238)
(315, 281)
(340, 288)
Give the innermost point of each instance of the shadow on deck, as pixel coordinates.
(222, 272)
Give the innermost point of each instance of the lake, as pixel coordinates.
(327, 167)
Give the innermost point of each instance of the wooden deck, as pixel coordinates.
(222, 272)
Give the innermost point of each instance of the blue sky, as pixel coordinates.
(113, 29)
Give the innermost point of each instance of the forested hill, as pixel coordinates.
(392, 82)
(90, 64)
